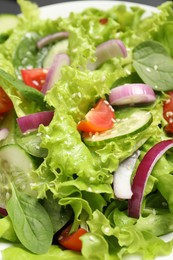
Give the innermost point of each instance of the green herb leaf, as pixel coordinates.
(58, 214)
(154, 65)
(30, 221)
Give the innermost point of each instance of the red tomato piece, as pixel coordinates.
(71, 241)
(103, 20)
(34, 78)
(5, 102)
(168, 113)
(98, 119)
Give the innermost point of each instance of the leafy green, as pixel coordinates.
(165, 36)
(27, 48)
(3, 37)
(7, 231)
(53, 253)
(74, 181)
(129, 237)
(30, 221)
(29, 10)
(30, 143)
(154, 65)
(58, 214)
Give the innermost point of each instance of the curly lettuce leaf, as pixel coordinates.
(125, 236)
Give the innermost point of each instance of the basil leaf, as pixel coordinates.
(154, 65)
(30, 221)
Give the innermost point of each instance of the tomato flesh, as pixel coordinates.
(34, 78)
(98, 119)
(103, 21)
(71, 241)
(168, 113)
(5, 102)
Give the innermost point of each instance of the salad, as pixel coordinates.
(86, 133)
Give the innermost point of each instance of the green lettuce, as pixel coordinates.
(54, 253)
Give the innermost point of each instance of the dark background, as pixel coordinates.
(10, 6)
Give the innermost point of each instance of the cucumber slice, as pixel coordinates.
(15, 167)
(7, 22)
(135, 123)
(59, 47)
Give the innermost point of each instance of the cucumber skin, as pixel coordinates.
(89, 141)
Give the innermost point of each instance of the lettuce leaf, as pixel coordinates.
(54, 253)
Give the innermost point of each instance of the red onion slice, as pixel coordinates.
(131, 94)
(3, 133)
(31, 122)
(122, 177)
(54, 73)
(106, 51)
(142, 174)
(51, 38)
(3, 212)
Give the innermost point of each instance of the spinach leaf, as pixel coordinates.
(27, 54)
(154, 65)
(30, 221)
(58, 214)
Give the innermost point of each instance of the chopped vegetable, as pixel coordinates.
(31, 122)
(51, 38)
(3, 212)
(103, 21)
(168, 113)
(5, 102)
(130, 94)
(123, 128)
(142, 174)
(106, 51)
(58, 48)
(122, 177)
(16, 168)
(3, 133)
(71, 240)
(34, 78)
(54, 73)
(98, 119)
